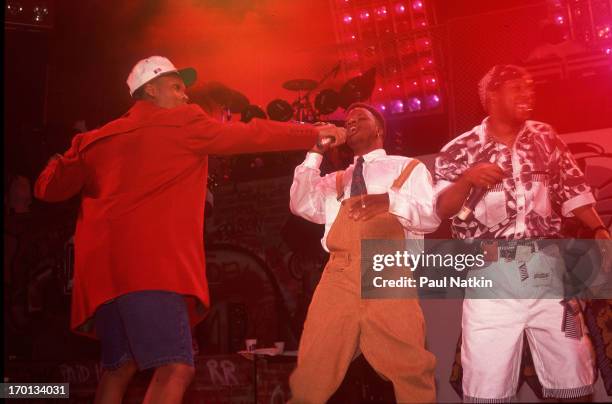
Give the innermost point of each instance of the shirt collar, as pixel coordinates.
(374, 154)
(143, 108)
(485, 138)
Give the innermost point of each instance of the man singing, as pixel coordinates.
(532, 180)
(377, 197)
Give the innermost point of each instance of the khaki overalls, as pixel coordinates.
(339, 325)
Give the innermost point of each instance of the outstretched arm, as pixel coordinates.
(63, 177)
(208, 136)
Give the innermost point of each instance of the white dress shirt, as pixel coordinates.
(315, 198)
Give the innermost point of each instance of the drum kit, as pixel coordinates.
(215, 96)
(221, 101)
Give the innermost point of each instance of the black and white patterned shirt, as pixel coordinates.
(542, 182)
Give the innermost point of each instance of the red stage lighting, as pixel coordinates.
(397, 107)
(393, 36)
(413, 85)
(603, 32)
(381, 11)
(426, 63)
(430, 82)
(423, 43)
(414, 104)
(432, 101)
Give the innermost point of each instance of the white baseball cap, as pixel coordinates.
(154, 66)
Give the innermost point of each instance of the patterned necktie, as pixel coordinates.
(358, 186)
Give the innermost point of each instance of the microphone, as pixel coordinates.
(325, 141)
(471, 202)
(339, 139)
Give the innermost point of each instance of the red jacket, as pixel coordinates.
(142, 180)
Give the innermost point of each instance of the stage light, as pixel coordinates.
(279, 110)
(347, 19)
(423, 44)
(603, 32)
(414, 104)
(382, 107)
(557, 3)
(397, 107)
(430, 81)
(432, 101)
(353, 56)
(14, 7)
(426, 63)
(413, 85)
(408, 65)
(608, 51)
(40, 13)
(559, 19)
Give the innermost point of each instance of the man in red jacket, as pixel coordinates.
(140, 283)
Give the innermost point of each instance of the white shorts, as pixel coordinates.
(492, 343)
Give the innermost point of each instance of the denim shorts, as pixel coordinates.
(149, 327)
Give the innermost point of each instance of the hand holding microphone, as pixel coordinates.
(329, 136)
(481, 176)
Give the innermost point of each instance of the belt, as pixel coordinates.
(508, 249)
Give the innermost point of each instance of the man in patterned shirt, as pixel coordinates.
(532, 180)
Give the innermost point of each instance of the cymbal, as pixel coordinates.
(238, 102)
(327, 101)
(220, 94)
(300, 85)
(358, 88)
